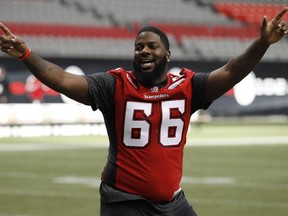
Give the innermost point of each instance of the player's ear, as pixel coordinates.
(168, 55)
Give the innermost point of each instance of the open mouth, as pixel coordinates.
(145, 63)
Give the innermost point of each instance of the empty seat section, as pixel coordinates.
(248, 12)
(107, 28)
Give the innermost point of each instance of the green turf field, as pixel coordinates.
(59, 176)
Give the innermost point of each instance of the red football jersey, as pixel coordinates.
(151, 126)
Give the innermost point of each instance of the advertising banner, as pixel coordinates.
(263, 92)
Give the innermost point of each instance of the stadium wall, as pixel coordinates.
(262, 92)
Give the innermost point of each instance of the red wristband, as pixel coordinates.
(26, 55)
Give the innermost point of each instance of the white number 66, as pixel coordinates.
(137, 128)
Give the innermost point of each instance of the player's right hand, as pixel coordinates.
(11, 44)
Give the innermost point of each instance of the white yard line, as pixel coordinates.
(283, 140)
(95, 182)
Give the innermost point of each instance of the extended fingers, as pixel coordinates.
(280, 25)
(279, 16)
(6, 31)
(11, 44)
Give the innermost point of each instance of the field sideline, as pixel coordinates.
(228, 170)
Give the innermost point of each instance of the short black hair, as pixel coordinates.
(162, 35)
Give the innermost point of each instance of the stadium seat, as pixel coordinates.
(106, 28)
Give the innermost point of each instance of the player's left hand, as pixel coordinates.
(275, 29)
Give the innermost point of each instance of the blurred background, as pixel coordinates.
(88, 36)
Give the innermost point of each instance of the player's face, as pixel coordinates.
(150, 59)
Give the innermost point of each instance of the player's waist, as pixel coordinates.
(111, 194)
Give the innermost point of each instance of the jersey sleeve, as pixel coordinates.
(199, 82)
(101, 89)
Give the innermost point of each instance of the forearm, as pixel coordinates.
(242, 65)
(47, 72)
(72, 85)
(224, 78)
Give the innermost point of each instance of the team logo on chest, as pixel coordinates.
(154, 89)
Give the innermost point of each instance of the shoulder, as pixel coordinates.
(120, 73)
(183, 77)
(99, 75)
(187, 72)
(117, 71)
(101, 88)
(100, 78)
(200, 76)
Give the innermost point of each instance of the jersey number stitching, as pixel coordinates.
(137, 127)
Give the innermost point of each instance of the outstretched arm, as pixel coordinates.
(73, 86)
(224, 78)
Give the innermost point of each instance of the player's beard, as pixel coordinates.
(147, 79)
